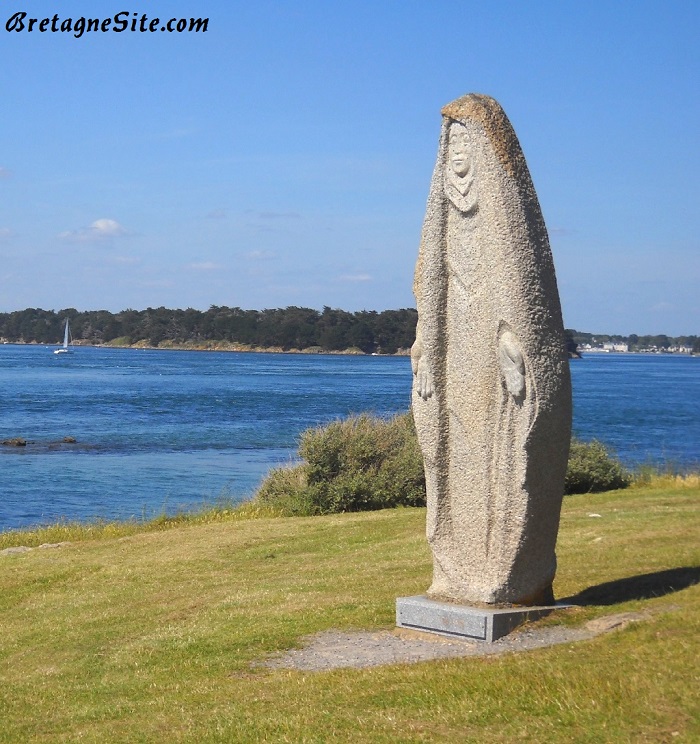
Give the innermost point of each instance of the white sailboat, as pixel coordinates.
(66, 335)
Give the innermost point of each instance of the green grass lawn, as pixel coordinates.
(149, 634)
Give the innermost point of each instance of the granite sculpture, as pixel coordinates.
(491, 393)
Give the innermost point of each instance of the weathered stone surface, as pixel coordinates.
(615, 622)
(15, 551)
(491, 393)
(25, 549)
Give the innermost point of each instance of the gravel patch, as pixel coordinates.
(336, 650)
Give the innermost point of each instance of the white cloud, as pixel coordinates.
(5, 233)
(107, 227)
(99, 230)
(4, 173)
(356, 278)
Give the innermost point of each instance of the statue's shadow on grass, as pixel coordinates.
(645, 586)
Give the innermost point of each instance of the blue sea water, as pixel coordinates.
(161, 431)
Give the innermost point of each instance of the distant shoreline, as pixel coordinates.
(216, 346)
(244, 348)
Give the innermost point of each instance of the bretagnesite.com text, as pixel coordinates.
(124, 21)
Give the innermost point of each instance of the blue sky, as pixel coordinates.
(284, 156)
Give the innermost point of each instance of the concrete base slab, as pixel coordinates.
(464, 621)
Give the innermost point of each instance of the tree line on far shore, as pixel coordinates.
(369, 331)
(330, 329)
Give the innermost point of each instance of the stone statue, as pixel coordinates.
(491, 393)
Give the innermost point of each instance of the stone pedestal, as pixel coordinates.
(464, 621)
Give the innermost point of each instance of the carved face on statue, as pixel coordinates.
(459, 169)
(459, 156)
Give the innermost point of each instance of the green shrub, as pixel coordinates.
(286, 491)
(359, 464)
(365, 463)
(592, 468)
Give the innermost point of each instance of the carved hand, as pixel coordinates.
(423, 378)
(512, 364)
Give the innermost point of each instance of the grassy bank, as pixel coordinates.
(150, 636)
